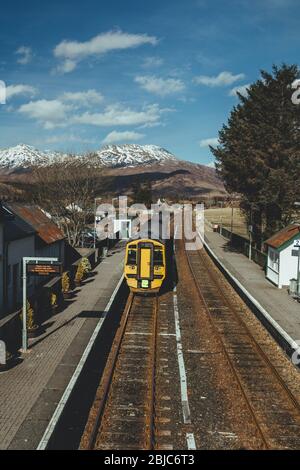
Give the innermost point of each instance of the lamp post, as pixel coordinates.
(112, 203)
(95, 218)
(250, 229)
(297, 204)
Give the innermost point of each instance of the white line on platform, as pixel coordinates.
(190, 439)
(267, 316)
(182, 372)
(60, 407)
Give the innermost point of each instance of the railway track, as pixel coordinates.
(271, 405)
(122, 416)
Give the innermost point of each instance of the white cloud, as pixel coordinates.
(66, 67)
(160, 86)
(85, 98)
(55, 139)
(150, 62)
(14, 90)
(51, 113)
(243, 90)
(117, 115)
(223, 79)
(72, 52)
(25, 55)
(116, 136)
(206, 142)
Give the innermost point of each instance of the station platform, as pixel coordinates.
(31, 390)
(277, 302)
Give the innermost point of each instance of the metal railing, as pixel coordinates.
(242, 244)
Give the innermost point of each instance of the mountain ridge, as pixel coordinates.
(26, 156)
(169, 175)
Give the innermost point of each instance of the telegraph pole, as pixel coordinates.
(95, 218)
(297, 204)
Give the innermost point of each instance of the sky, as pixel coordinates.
(82, 74)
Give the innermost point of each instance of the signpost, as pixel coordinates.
(296, 252)
(37, 267)
(43, 269)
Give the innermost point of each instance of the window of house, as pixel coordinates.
(273, 260)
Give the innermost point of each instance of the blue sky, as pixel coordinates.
(83, 74)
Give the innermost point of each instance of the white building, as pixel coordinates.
(282, 265)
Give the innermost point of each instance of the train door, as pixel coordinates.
(145, 263)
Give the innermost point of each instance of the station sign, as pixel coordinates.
(44, 268)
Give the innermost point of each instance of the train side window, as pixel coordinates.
(131, 257)
(158, 258)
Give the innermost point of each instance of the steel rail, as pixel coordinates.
(257, 346)
(230, 362)
(108, 380)
(109, 373)
(150, 445)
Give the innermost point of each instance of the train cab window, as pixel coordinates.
(131, 257)
(158, 258)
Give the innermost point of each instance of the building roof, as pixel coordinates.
(46, 229)
(16, 228)
(5, 213)
(284, 236)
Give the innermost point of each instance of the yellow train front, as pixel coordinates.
(145, 265)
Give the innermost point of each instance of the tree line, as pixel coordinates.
(66, 190)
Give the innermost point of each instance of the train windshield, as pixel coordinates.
(158, 258)
(131, 257)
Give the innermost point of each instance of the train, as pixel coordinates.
(145, 265)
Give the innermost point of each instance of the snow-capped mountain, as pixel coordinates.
(169, 176)
(133, 155)
(128, 155)
(26, 156)
(21, 156)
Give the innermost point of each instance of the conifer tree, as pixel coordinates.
(259, 151)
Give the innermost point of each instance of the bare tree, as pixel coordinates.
(66, 189)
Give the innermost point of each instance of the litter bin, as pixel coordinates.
(105, 251)
(293, 287)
